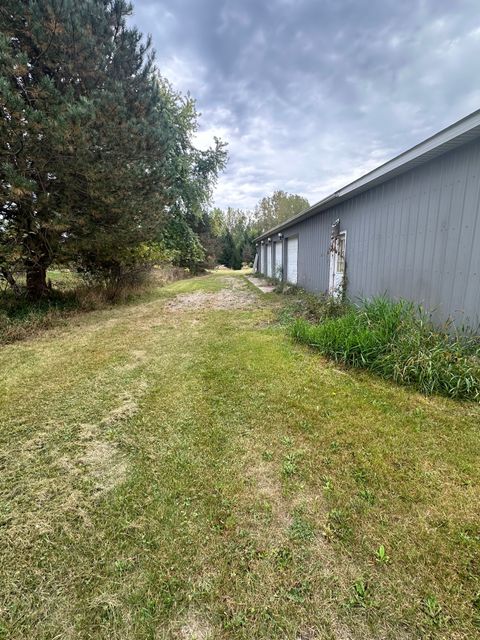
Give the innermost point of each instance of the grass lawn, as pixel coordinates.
(179, 468)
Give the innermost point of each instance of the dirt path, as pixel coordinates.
(234, 295)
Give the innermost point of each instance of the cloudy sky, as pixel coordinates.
(310, 94)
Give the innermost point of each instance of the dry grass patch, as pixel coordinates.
(193, 627)
(234, 294)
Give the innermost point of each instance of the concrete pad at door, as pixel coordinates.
(263, 285)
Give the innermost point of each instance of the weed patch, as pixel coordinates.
(301, 529)
(311, 307)
(361, 596)
(396, 342)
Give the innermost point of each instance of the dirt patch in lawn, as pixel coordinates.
(137, 358)
(102, 459)
(105, 465)
(194, 628)
(127, 408)
(268, 488)
(236, 296)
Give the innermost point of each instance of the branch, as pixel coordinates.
(8, 276)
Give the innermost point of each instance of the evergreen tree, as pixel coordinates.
(96, 149)
(227, 256)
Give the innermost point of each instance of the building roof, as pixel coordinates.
(456, 135)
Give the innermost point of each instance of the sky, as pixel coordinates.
(311, 94)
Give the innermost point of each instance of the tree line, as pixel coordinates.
(229, 235)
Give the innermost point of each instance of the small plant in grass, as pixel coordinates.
(327, 484)
(283, 557)
(464, 536)
(299, 592)
(123, 566)
(381, 555)
(469, 535)
(334, 446)
(306, 426)
(267, 456)
(301, 530)
(336, 525)
(234, 620)
(433, 611)
(290, 466)
(170, 592)
(367, 495)
(149, 610)
(327, 461)
(360, 476)
(291, 462)
(360, 595)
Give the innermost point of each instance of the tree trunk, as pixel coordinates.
(37, 286)
(11, 281)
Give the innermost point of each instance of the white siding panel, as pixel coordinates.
(278, 260)
(264, 260)
(269, 260)
(292, 260)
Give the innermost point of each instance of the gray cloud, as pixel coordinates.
(310, 94)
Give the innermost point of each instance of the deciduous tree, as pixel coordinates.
(274, 209)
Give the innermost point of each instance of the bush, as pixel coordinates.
(398, 342)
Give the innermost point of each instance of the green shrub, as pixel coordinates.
(399, 342)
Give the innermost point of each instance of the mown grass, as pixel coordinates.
(195, 474)
(398, 342)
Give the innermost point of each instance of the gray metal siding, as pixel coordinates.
(416, 236)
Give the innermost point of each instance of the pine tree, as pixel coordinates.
(96, 148)
(228, 251)
(33, 128)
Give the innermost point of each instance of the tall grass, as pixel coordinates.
(398, 342)
(21, 318)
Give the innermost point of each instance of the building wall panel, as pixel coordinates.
(416, 236)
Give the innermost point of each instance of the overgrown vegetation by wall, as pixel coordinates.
(395, 340)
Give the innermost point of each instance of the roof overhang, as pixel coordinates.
(456, 135)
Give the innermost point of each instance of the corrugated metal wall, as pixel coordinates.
(416, 236)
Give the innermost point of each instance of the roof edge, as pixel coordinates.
(428, 149)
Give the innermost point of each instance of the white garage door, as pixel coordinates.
(278, 260)
(292, 260)
(269, 260)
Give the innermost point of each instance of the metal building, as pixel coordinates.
(408, 229)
